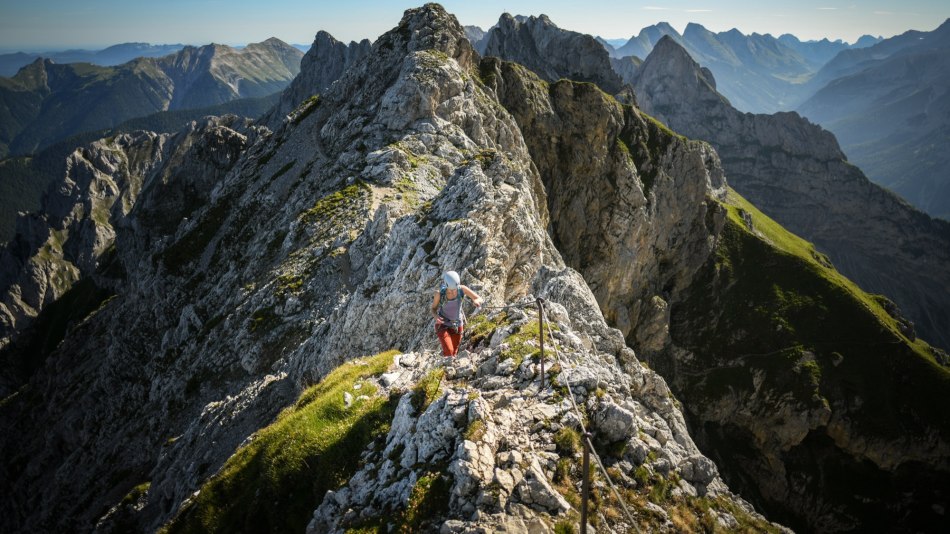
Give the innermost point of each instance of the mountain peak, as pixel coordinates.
(668, 47)
(551, 52)
(431, 27)
(670, 70)
(694, 26)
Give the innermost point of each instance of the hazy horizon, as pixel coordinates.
(56, 25)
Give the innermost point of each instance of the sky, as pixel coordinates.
(35, 25)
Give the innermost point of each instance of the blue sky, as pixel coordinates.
(52, 24)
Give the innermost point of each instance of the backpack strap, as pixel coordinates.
(459, 297)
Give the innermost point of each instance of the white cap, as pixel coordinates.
(451, 279)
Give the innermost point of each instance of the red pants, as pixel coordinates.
(450, 341)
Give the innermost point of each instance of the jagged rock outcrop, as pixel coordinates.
(624, 171)
(321, 65)
(319, 241)
(795, 172)
(74, 235)
(552, 53)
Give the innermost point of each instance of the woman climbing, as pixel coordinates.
(447, 310)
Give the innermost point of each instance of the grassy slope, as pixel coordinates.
(817, 339)
(274, 483)
(787, 298)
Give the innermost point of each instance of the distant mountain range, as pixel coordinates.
(885, 99)
(10, 64)
(889, 106)
(757, 73)
(113, 55)
(46, 102)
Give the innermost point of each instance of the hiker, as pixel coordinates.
(447, 310)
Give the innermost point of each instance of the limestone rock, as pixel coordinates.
(322, 65)
(552, 53)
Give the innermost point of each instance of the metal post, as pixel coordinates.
(585, 489)
(541, 331)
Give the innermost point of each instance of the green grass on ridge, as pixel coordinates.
(274, 483)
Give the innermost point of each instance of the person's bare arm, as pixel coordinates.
(476, 300)
(435, 308)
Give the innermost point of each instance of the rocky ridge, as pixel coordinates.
(251, 256)
(552, 53)
(496, 432)
(323, 63)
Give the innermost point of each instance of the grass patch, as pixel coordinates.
(407, 188)
(274, 483)
(304, 110)
(336, 206)
(567, 441)
(288, 284)
(475, 431)
(481, 327)
(524, 343)
(427, 390)
(136, 493)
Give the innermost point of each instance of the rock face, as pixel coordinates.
(476, 36)
(322, 65)
(47, 102)
(249, 262)
(795, 172)
(552, 53)
(624, 172)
